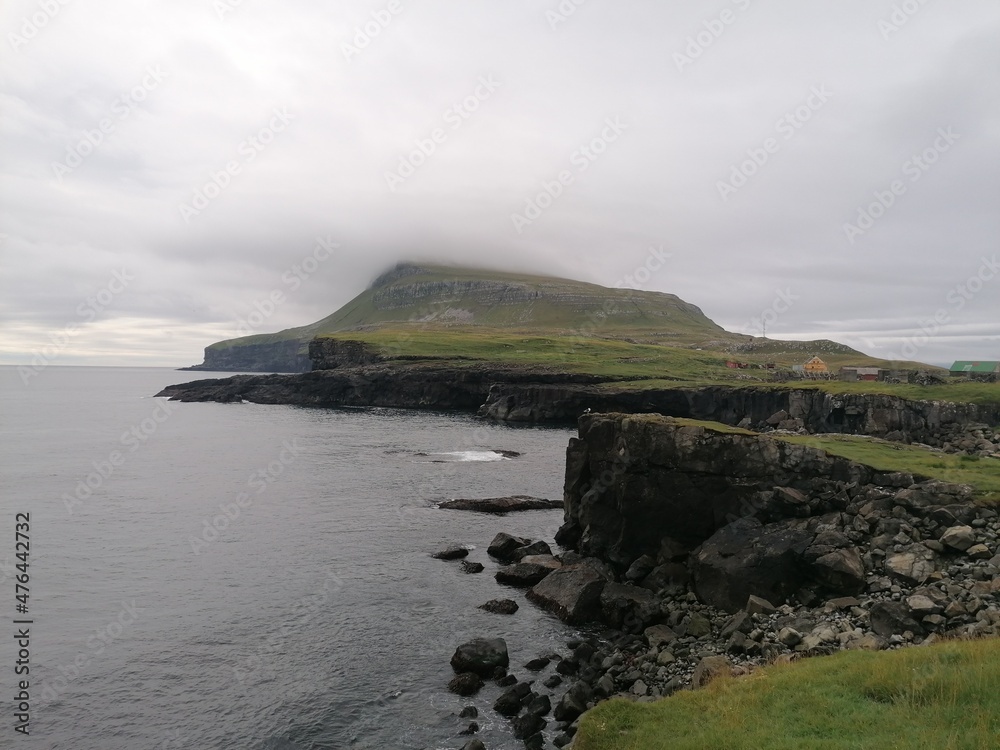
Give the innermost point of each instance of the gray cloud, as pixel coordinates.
(188, 100)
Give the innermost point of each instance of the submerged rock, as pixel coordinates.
(452, 552)
(500, 505)
(500, 606)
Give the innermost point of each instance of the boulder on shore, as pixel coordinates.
(522, 574)
(504, 545)
(747, 558)
(481, 656)
(572, 593)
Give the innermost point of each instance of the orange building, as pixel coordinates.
(815, 366)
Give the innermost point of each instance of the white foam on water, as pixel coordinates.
(470, 456)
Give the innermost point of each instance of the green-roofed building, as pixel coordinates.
(975, 368)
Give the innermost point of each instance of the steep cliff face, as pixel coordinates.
(329, 354)
(641, 484)
(418, 386)
(865, 414)
(275, 356)
(739, 514)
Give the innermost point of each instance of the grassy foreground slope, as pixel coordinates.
(940, 697)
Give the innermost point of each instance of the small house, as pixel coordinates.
(966, 368)
(855, 374)
(987, 371)
(815, 366)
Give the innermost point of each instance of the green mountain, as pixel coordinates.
(436, 311)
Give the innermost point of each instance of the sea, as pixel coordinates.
(250, 577)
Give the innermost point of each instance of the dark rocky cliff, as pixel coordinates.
(277, 356)
(739, 515)
(417, 386)
(818, 411)
(641, 484)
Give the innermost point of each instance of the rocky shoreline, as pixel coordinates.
(533, 396)
(833, 556)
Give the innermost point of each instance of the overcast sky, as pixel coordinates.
(167, 166)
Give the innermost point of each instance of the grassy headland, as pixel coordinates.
(982, 474)
(940, 697)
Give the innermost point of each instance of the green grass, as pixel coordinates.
(958, 392)
(559, 352)
(940, 697)
(648, 365)
(982, 473)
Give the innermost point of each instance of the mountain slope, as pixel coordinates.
(433, 312)
(436, 297)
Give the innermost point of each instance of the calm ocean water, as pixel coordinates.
(253, 577)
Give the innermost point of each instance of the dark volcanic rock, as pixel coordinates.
(572, 593)
(893, 618)
(500, 606)
(574, 702)
(747, 558)
(522, 574)
(535, 548)
(638, 483)
(472, 567)
(501, 504)
(481, 656)
(509, 702)
(628, 608)
(527, 725)
(466, 683)
(503, 546)
(452, 552)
